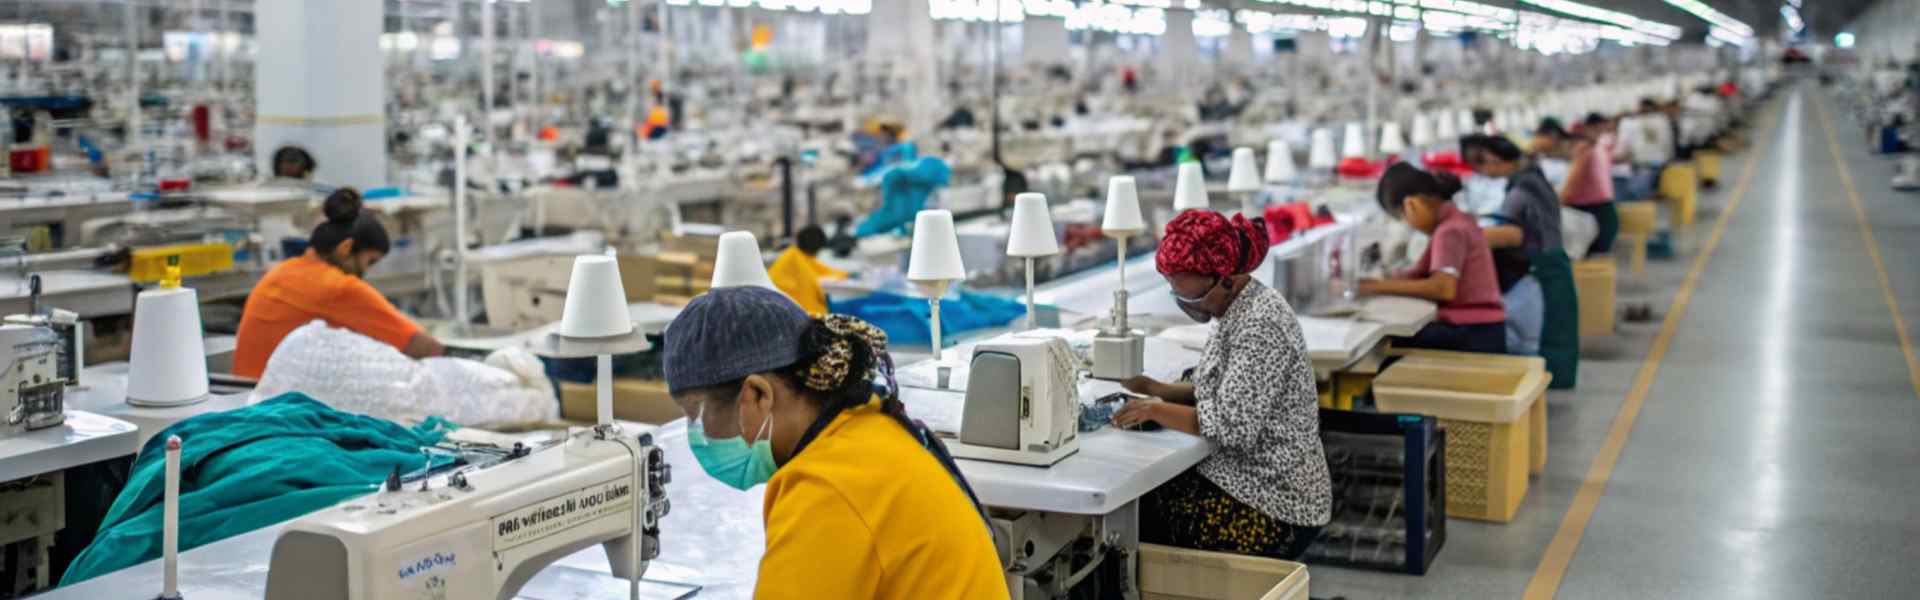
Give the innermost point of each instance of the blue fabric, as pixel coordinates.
(905, 318)
(245, 469)
(1526, 310)
(904, 189)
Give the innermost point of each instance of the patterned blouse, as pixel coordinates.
(1255, 395)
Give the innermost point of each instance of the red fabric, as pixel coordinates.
(1203, 242)
(1446, 161)
(1458, 247)
(202, 123)
(1284, 220)
(1360, 168)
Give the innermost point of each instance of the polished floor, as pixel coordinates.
(1771, 447)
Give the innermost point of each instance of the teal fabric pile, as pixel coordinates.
(245, 469)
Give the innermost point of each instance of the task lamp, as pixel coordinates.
(934, 264)
(1118, 351)
(1032, 237)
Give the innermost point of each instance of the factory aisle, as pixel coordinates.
(1773, 453)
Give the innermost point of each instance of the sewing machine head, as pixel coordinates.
(482, 533)
(1318, 273)
(70, 334)
(32, 394)
(1023, 402)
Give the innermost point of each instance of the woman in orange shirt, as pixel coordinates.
(325, 284)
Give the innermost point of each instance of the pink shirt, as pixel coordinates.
(1591, 183)
(1459, 249)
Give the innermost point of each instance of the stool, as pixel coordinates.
(1636, 227)
(1595, 280)
(1680, 184)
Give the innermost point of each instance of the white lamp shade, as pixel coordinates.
(936, 250)
(1422, 131)
(169, 355)
(1032, 227)
(596, 301)
(1123, 217)
(1280, 168)
(1245, 176)
(1322, 155)
(1190, 188)
(1355, 142)
(1391, 142)
(1447, 129)
(738, 263)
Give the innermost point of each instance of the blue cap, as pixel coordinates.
(730, 333)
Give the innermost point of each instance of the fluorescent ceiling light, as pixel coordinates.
(1610, 17)
(1700, 9)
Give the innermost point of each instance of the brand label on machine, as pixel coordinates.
(546, 517)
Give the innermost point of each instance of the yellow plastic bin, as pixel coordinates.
(1168, 573)
(1486, 409)
(1709, 162)
(1537, 416)
(1637, 220)
(1680, 184)
(1595, 280)
(150, 264)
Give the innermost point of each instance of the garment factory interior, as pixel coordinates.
(1000, 299)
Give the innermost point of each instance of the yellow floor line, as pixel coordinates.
(1873, 249)
(1573, 526)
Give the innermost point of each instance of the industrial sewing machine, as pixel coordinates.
(1022, 403)
(32, 394)
(482, 533)
(1320, 275)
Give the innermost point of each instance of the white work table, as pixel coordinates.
(106, 393)
(84, 438)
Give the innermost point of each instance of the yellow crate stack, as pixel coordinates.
(150, 264)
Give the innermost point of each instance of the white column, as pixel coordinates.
(904, 30)
(1240, 46)
(1044, 40)
(1178, 52)
(318, 85)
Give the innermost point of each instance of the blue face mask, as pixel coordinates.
(733, 461)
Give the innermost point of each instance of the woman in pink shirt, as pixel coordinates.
(1456, 272)
(1589, 186)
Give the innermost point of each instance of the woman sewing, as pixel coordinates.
(1265, 490)
(1456, 271)
(860, 502)
(1536, 275)
(325, 284)
(798, 271)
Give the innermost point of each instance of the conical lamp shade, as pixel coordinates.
(596, 301)
(1391, 142)
(1280, 168)
(1355, 142)
(1123, 217)
(1190, 188)
(1322, 155)
(738, 262)
(1245, 176)
(936, 250)
(1422, 131)
(169, 353)
(1447, 129)
(1032, 227)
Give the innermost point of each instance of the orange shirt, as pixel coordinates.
(300, 290)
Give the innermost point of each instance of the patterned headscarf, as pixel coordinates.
(1203, 242)
(833, 367)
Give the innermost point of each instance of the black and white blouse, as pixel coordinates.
(1255, 395)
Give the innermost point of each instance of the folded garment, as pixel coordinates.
(248, 468)
(905, 319)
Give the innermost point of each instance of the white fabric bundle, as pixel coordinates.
(358, 374)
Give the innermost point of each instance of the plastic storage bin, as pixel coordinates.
(1485, 409)
(150, 264)
(1595, 279)
(1389, 491)
(1168, 573)
(1680, 184)
(1537, 416)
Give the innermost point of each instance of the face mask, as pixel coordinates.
(733, 461)
(1190, 306)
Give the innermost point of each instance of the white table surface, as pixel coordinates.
(106, 393)
(84, 438)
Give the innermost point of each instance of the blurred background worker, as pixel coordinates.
(798, 271)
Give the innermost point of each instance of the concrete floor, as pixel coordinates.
(1773, 454)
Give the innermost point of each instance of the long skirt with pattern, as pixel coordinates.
(1191, 512)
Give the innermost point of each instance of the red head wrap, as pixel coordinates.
(1203, 242)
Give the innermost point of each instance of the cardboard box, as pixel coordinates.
(636, 400)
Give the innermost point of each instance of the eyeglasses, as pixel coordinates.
(1197, 299)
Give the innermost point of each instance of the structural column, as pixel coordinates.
(1043, 40)
(318, 85)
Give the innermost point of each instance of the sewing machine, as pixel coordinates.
(482, 533)
(1022, 403)
(1321, 276)
(32, 394)
(1119, 352)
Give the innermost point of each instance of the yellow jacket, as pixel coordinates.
(799, 275)
(865, 512)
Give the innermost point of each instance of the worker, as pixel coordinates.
(1265, 490)
(293, 162)
(1535, 273)
(906, 181)
(1456, 271)
(861, 501)
(798, 271)
(1589, 185)
(326, 283)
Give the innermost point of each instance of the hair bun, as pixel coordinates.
(343, 206)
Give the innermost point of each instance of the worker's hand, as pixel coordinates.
(1140, 384)
(1137, 412)
(1369, 286)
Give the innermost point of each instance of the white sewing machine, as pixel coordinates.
(479, 534)
(32, 394)
(1023, 403)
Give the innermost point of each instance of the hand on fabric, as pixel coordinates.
(1140, 384)
(1137, 412)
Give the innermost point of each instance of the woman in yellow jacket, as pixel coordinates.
(861, 502)
(799, 274)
